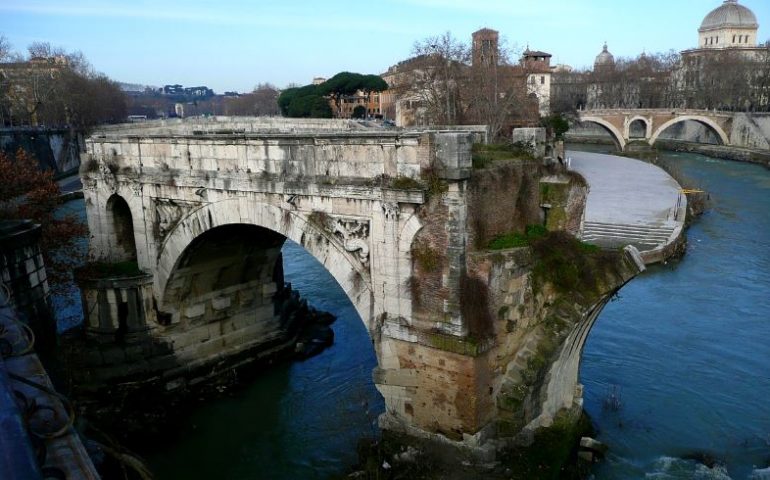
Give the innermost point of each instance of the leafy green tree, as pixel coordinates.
(557, 124)
(303, 102)
(347, 83)
(313, 100)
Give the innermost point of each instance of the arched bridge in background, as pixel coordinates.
(647, 124)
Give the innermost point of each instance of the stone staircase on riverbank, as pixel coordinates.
(643, 236)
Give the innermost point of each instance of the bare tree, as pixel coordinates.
(262, 101)
(496, 93)
(438, 79)
(54, 88)
(5, 48)
(44, 50)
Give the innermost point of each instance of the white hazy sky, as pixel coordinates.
(235, 44)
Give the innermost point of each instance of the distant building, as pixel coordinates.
(485, 47)
(537, 67)
(531, 76)
(727, 71)
(727, 48)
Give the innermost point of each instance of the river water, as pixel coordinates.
(685, 347)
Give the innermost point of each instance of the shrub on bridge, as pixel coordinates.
(570, 265)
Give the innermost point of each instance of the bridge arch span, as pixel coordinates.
(347, 271)
(697, 118)
(617, 136)
(638, 118)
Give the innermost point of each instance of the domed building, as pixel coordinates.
(729, 25)
(605, 60)
(725, 70)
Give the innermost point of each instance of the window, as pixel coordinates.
(542, 80)
(733, 38)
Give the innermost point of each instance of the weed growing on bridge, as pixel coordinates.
(434, 184)
(571, 265)
(405, 183)
(427, 257)
(514, 240)
(485, 155)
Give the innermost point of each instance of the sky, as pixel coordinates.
(233, 45)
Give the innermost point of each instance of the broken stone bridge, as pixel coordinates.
(203, 207)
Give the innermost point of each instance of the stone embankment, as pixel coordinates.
(761, 157)
(631, 202)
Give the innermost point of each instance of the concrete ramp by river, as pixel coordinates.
(630, 202)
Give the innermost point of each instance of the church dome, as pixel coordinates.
(604, 59)
(729, 15)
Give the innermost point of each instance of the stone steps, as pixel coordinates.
(642, 236)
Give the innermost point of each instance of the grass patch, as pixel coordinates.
(484, 155)
(571, 266)
(405, 183)
(515, 240)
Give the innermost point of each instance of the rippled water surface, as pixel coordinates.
(687, 345)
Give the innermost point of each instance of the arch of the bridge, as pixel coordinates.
(697, 118)
(354, 279)
(617, 136)
(638, 118)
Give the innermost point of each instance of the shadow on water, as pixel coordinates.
(296, 420)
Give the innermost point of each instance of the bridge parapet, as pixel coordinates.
(653, 111)
(338, 155)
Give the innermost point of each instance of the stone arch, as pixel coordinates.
(406, 236)
(120, 229)
(620, 141)
(633, 120)
(349, 273)
(697, 118)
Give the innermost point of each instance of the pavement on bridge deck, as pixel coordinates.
(629, 202)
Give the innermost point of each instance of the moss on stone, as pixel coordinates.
(553, 453)
(464, 346)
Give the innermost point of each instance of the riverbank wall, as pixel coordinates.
(55, 149)
(761, 157)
